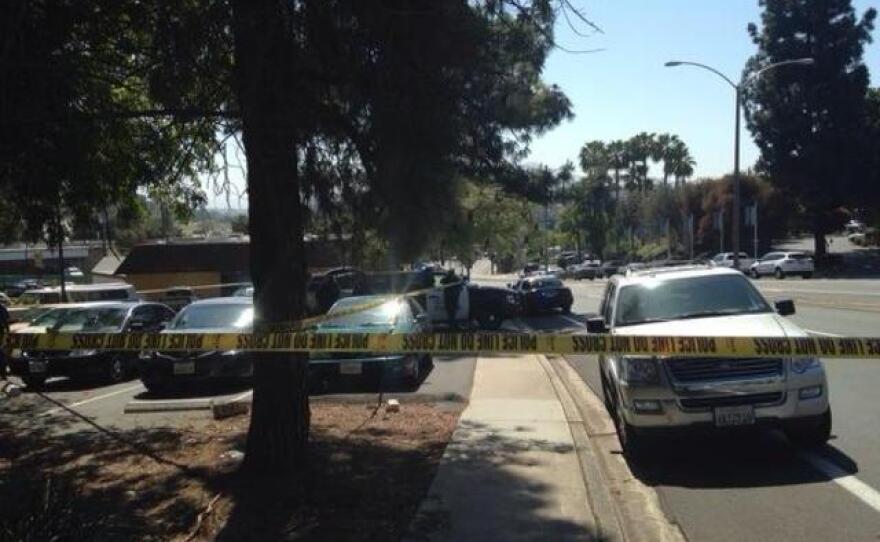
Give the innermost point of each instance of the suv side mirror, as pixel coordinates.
(596, 325)
(785, 307)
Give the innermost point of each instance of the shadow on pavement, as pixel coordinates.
(334, 384)
(486, 488)
(196, 390)
(62, 384)
(758, 458)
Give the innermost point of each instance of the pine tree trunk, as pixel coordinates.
(265, 57)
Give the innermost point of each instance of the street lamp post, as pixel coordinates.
(737, 88)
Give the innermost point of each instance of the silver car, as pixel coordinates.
(649, 395)
(781, 264)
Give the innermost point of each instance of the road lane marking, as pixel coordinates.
(809, 291)
(823, 333)
(849, 482)
(91, 400)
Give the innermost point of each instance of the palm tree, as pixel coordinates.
(594, 159)
(668, 151)
(618, 159)
(642, 147)
(682, 163)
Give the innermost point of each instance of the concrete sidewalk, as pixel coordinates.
(511, 471)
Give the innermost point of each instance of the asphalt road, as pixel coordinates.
(756, 486)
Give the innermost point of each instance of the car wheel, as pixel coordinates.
(115, 371)
(779, 273)
(755, 274)
(34, 382)
(489, 320)
(807, 275)
(812, 434)
(631, 442)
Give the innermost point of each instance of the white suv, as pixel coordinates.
(781, 264)
(647, 395)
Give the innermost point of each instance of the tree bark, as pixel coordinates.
(265, 57)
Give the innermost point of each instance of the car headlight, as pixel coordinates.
(82, 353)
(640, 370)
(802, 365)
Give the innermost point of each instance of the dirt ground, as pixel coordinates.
(368, 470)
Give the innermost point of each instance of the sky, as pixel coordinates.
(625, 89)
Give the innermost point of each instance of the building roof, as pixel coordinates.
(107, 265)
(230, 255)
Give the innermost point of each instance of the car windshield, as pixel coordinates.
(663, 300)
(386, 314)
(214, 316)
(92, 320)
(49, 318)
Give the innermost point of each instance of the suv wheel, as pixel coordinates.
(779, 273)
(489, 320)
(115, 371)
(811, 433)
(754, 273)
(632, 443)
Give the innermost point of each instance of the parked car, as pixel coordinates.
(74, 293)
(854, 226)
(543, 293)
(395, 316)
(660, 395)
(586, 270)
(178, 297)
(781, 264)
(725, 259)
(24, 319)
(530, 269)
(610, 268)
(486, 306)
(161, 370)
(22, 286)
(107, 365)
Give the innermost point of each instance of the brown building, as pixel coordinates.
(208, 263)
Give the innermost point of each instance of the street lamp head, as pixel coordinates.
(672, 63)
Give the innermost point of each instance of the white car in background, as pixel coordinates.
(658, 395)
(781, 264)
(725, 259)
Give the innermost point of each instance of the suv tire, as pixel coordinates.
(811, 433)
(631, 441)
(489, 320)
(779, 273)
(115, 371)
(755, 274)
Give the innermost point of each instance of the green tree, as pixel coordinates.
(809, 122)
(642, 147)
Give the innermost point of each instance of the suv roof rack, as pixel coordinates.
(669, 267)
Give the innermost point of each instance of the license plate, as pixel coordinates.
(185, 368)
(733, 416)
(37, 366)
(350, 368)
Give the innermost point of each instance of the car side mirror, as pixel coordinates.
(596, 325)
(785, 307)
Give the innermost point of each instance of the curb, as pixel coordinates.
(614, 491)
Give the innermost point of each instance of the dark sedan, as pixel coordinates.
(161, 370)
(101, 317)
(543, 293)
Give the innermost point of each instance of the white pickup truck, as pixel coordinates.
(725, 259)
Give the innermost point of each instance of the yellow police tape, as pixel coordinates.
(456, 343)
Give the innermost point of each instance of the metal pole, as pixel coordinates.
(755, 218)
(721, 224)
(736, 184)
